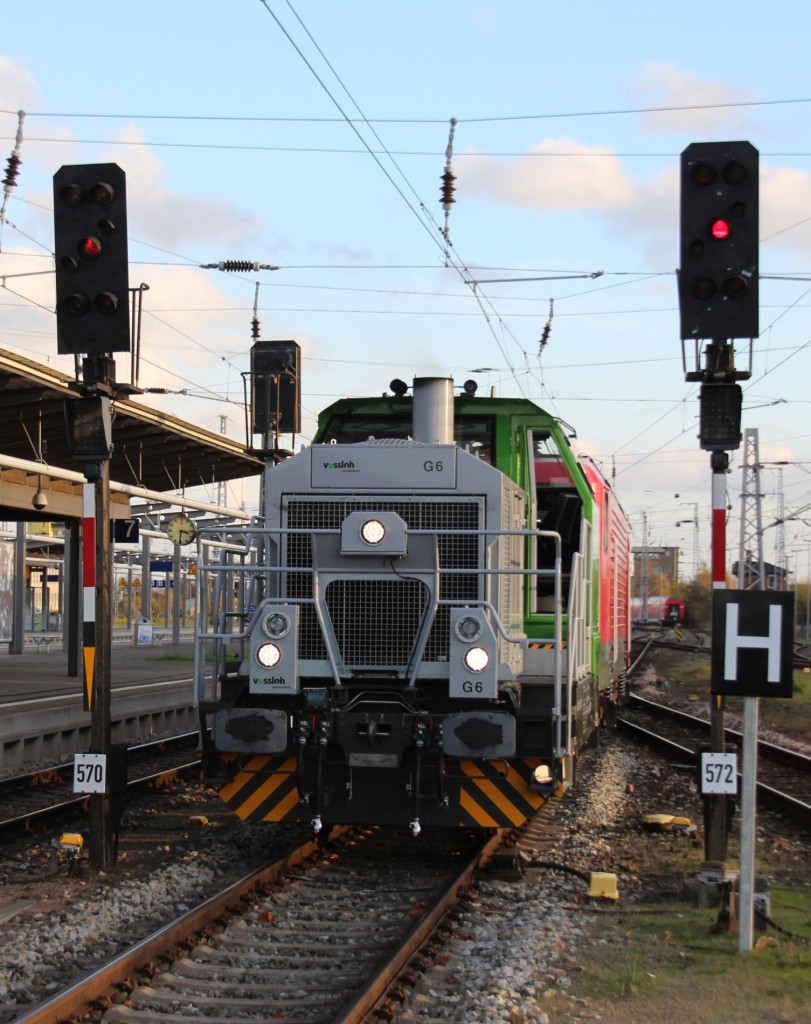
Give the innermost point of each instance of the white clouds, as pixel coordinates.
(785, 208)
(554, 174)
(706, 104)
(18, 90)
(652, 219)
(572, 175)
(170, 219)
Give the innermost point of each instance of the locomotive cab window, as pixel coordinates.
(559, 509)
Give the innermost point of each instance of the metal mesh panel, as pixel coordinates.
(457, 552)
(376, 621)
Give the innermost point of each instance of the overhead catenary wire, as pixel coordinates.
(562, 311)
(420, 211)
(673, 108)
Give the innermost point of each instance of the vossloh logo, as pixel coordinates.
(343, 464)
(270, 681)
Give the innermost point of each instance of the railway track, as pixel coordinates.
(40, 794)
(321, 936)
(695, 641)
(784, 776)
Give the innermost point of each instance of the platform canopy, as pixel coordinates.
(151, 449)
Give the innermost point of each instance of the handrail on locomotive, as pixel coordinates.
(252, 544)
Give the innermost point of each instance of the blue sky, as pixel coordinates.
(232, 122)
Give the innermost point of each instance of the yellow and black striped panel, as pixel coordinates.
(545, 645)
(481, 794)
(496, 794)
(264, 790)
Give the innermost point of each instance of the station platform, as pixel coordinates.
(43, 669)
(42, 716)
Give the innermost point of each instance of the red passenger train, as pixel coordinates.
(661, 611)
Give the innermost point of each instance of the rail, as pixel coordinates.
(345, 996)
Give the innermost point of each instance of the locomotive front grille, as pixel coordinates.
(387, 636)
(376, 621)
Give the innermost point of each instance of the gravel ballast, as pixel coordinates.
(515, 951)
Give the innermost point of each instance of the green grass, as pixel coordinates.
(662, 962)
(185, 656)
(789, 715)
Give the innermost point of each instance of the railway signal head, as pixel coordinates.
(718, 274)
(92, 269)
(720, 417)
(275, 392)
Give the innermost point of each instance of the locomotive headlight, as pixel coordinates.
(473, 655)
(476, 659)
(543, 775)
(468, 629)
(268, 655)
(275, 625)
(373, 531)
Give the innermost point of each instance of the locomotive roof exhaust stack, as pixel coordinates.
(432, 411)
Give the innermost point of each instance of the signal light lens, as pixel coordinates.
(735, 173)
(276, 625)
(703, 288)
(106, 303)
(102, 193)
(268, 655)
(735, 287)
(76, 304)
(476, 659)
(703, 174)
(72, 195)
(720, 229)
(468, 629)
(373, 531)
(90, 247)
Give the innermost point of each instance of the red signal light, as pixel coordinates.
(90, 247)
(91, 263)
(718, 276)
(720, 229)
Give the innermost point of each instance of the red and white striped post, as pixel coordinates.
(715, 824)
(89, 591)
(97, 640)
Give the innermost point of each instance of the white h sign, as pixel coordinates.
(752, 643)
(734, 642)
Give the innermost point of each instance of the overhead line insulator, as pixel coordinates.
(237, 266)
(12, 170)
(448, 188)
